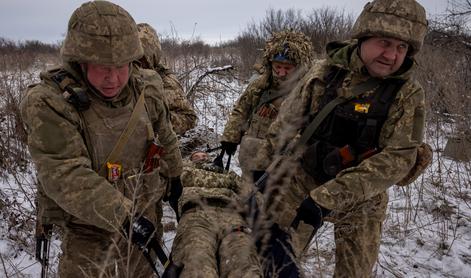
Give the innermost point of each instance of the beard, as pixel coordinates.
(286, 83)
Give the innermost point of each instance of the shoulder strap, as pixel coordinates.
(74, 94)
(269, 96)
(126, 134)
(71, 90)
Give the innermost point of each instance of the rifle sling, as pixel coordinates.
(268, 96)
(126, 134)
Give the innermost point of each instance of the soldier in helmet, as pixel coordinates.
(182, 115)
(95, 128)
(367, 115)
(286, 57)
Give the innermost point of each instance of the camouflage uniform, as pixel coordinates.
(182, 115)
(249, 120)
(212, 239)
(70, 146)
(357, 195)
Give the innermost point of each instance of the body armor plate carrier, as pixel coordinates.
(350, 133)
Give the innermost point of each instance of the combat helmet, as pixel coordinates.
(402, 19)
(291, 46)
(151, 45)
(101, 32)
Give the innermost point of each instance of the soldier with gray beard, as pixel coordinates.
(286, 58)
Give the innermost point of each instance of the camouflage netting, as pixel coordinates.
(296, 46)
(402, 19)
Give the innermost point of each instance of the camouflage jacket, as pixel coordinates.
(63, 158)
(182, 115)
(258, 106)
(400, 135)
(237, 123)
(202, 183)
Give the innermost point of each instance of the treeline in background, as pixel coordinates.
(443, 70)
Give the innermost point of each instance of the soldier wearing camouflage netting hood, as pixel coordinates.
(182, 115)
(212, 239)
(90, 126)
(368, 140)
(286, 58)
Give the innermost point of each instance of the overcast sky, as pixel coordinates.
(211, 20)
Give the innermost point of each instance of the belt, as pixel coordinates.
(212, 202)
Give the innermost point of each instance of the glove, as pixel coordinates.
(141, 231)
(229, 147)
(278, 254)
(174, 194)
(172, 270)
(311, 213)
(333, 163)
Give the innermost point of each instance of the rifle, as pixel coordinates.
(43, 244)
(210, 150)
(218, 160)
(168, 269)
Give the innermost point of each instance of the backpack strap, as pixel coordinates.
(268, 96)
(72, 91)
(74, 94)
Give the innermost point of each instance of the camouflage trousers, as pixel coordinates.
(209, 244)
(91, 252)
(357, 232)
(357, 237)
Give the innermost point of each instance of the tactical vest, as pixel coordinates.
(350, 133)
(101, 128)
(262, 117)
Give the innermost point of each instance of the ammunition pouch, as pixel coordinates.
(424, 159)
(312, 160)
(323, 161)
(332, 163)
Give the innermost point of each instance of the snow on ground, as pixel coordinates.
(427, 232)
